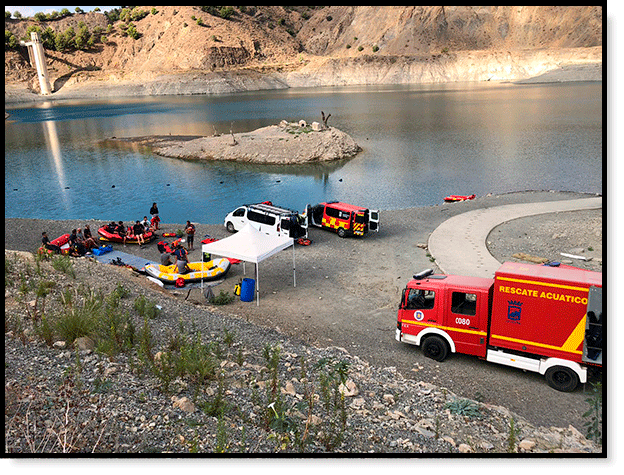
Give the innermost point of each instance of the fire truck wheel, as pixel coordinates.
(341, 233)
(435, 348)
(562, 378)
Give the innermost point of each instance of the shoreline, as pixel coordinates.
(334, 273)
(16, 228)
(17, 95)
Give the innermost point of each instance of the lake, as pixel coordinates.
(420, 143)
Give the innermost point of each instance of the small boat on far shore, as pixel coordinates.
(454, 198)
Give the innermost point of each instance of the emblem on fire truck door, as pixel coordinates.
(419, 316)
(514, 311)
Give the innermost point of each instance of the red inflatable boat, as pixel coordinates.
(61, 241)
(453, 198)
(106, 235)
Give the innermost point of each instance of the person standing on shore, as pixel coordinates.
(190, 234)
(154, 214)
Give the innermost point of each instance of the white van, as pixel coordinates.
(269, 219)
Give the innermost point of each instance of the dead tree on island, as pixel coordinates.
(234, 142)
(325, 119)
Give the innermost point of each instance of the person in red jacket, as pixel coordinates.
(190, 234)
(154, 213)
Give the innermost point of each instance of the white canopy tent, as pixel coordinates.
(251, 245)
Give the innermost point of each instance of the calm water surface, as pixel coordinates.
(420, 143)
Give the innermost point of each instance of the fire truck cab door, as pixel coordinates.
(467, 320)
(373, 220)
(420, 307)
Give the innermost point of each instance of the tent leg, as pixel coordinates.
(257, 288)
(202, 279)
(294, 268)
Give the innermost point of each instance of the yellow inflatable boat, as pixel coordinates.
(210, 270)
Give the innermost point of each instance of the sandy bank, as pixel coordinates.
(564, 67)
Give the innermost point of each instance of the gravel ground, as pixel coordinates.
(547, 236)
(397, 399)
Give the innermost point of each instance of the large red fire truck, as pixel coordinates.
(535, 317)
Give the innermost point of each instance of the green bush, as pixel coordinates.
(65, 41)
(10, 40)
(188, 358)
(132, 32)
(83, 39)
(132, 14)
(45, 330)
(76, 322)
(223, 298)
(115, 331)
(65, 265)
(331, 375)
(221, 11)
(463, 407)
(145, 308)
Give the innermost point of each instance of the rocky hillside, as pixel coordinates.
(163, 374)
(274, 46)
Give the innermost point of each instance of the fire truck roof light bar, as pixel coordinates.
(423, 274)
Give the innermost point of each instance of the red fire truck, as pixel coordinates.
(534, 317)
(345, 219)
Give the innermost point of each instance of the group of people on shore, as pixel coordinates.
(81, 242)
(177, 254)
(138, 230)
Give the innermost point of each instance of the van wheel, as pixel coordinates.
(562, 378)
(230, 227)
(341, 233)
(435, 348)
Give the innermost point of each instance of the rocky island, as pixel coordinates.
(282, 144)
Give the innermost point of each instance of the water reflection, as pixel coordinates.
(420, 143)
(54, 148)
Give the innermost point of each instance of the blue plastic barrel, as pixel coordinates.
(247, 290)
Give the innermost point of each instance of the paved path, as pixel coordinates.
(459, 243)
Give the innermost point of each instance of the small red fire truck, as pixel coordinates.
(345, 219)
(534, 317)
